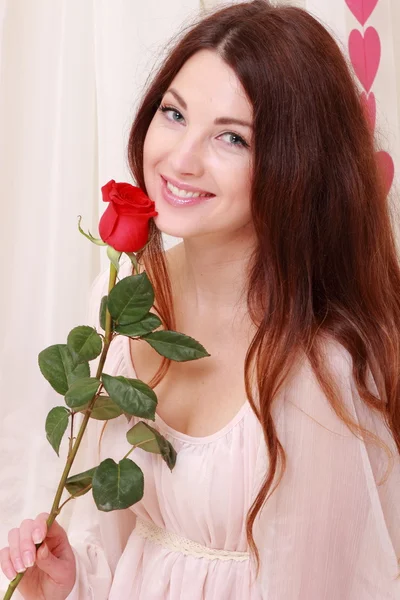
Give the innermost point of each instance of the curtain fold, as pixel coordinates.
(71, 74)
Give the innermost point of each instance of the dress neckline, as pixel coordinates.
(165, 428)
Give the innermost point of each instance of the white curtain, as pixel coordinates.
(71, 74)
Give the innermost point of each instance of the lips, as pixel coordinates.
(182, 202)
(185, 187)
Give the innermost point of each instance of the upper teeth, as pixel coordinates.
(184, 193)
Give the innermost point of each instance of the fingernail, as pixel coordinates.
(10, 573)
(37, 536)
(28, 559)
(19, 566)
(44, 551)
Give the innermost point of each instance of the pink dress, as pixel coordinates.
(329, 532)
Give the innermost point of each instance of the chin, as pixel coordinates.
(173, 228)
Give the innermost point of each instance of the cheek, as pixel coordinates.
(151, 156)
(242, 199)
(148, 147)
(152, 143)
(237, 182)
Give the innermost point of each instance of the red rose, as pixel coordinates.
(125, 224)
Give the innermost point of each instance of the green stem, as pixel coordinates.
(86, 489)
(71, 439)
(137, 446)
(55, 509)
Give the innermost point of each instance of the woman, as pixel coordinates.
(287, 483)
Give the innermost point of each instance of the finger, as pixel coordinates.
(50, 564)
(40, 527)
(26, 545)
(52, 533)
(15, 553)
(6, 564)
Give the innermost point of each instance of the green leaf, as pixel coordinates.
(117, 486)
(81, 392)
(56, 424)
(76, 359)
(176, 346)
(80, 371)
(102, 315)
(105, 409)
(146, 325)
(132, 395)
(57, 365)
(80, 484)
(157, 444)
(85, 342)
(131, 299)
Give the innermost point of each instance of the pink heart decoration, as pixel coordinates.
(362, 9)
(369, 104)
(365, 55)
(386, 165)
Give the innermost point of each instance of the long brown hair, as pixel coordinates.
(325, 262)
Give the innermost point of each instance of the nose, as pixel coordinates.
(186, 157)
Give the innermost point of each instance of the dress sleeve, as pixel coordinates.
(331, 530)
(97, 538)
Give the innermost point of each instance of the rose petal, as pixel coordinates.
(108, 223)
(126, 209)
(125, 223)
(106, 190)
(130, 234)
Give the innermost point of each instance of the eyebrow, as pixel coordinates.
(219, 120)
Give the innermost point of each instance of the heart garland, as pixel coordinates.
(365, 56)
(369, 103)
(386, 165)
(362, 9)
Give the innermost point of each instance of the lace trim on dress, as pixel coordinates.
(177, 543)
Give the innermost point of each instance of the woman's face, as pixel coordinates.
(185, 145)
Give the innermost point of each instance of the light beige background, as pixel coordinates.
(71, 74)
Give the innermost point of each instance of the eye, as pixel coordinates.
(165, 109)
(241, 140)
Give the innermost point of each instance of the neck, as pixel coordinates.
(212, 277)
